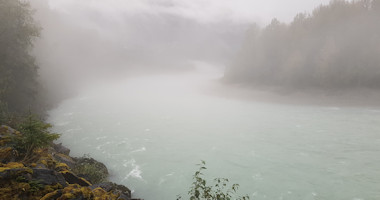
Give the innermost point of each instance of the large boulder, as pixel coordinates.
(48, 177)
(73, 179)
(12, 173)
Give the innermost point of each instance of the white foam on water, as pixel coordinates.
(68, 114)
(135, 173)
(62, 123)
(102, 145)
(100, 138)
(139, 150)
(73, 129)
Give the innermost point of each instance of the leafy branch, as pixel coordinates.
(218, 190)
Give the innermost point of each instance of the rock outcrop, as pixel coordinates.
(49, 174)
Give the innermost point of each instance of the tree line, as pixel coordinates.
(19, 87)
(337, 46)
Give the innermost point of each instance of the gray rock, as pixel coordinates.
(48, 177)
(59, 148)
(86, 160)
(73, 179)
(13, 173)
(65, 159)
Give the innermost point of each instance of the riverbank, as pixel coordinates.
(51, 173)
(354, 97)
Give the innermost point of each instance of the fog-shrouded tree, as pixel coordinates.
(337, 46)
(18, 69)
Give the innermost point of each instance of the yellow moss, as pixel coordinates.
(16, 190)
(98, 192)
(101, 194)
(85, 180)
(14, 165)
(87, 193)
(62, 167)
(49, 196)
(47, 160)
(64, 172)
(51, 188)
(67, 196)
(4, 140)
(11, 165)
(74, 190)
(5, 152)
(39, 151)
(44, 162)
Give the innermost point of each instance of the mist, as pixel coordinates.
(280, 97)
(334, 48)
(98, 41)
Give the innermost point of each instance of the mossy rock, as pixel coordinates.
(12, 170)
(63, 158)
(73, 179)
(59, 148)
(121, 190)
(48, 177)
(92, 170)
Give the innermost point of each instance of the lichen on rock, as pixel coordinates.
(48, 174)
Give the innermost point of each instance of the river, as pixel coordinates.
(151, 131)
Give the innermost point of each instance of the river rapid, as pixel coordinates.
(151, 131)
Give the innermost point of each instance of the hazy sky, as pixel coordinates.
(261, 11)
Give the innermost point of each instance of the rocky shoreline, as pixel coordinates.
(52, 173)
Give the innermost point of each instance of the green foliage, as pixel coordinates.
(91, 169)
(35, 186)
(35, 134)
(219, 190)
(3, 113)
(18, 70)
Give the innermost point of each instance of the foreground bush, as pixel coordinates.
(219, 190)
(35, 135)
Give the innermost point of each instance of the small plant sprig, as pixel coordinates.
(219, 190)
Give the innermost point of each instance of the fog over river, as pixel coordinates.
(151, 131)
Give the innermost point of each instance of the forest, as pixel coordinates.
(19, 87)
(336, 47)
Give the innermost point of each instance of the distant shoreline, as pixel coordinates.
(302, 97)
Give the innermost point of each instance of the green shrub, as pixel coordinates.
(219, 190)
(35, 134)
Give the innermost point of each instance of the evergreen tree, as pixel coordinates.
(18, 69)
(336, 47)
